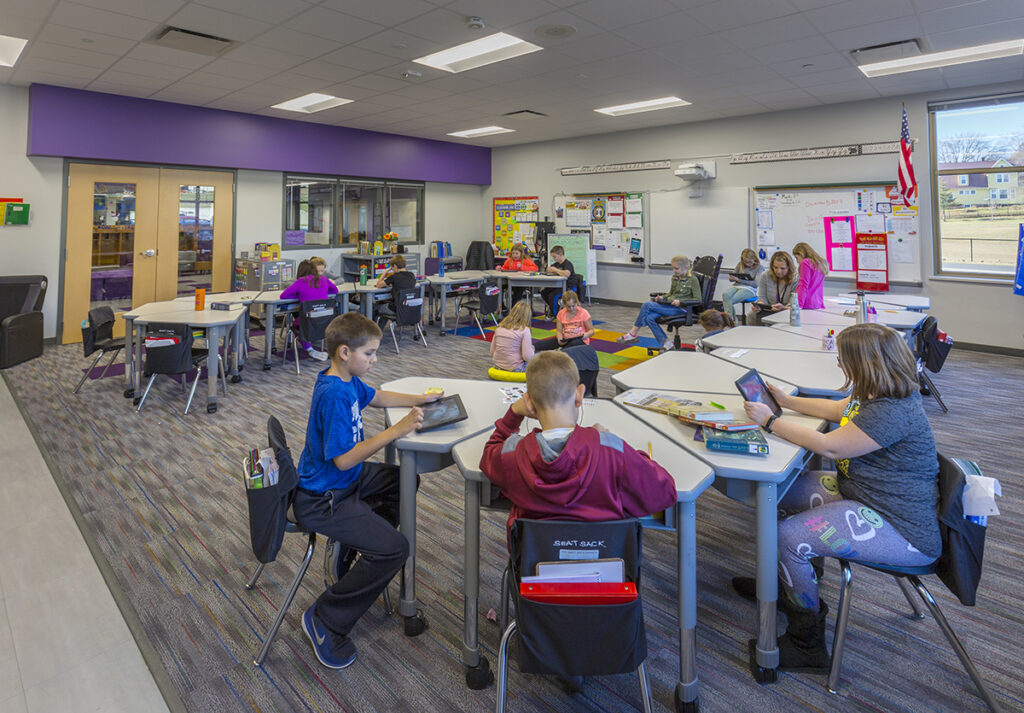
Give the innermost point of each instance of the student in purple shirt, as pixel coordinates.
(311, 284)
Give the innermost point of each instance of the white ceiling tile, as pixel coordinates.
(29, 9)
(74, 55)
(126, 89)
(442, 26)
(855, 13)
(149, 69)
(74, 37)
(796, 49)
(264, 57)
(728, 14)
(350, 91)
(422, 92)
(382, 12)
(832, 95)
(298, 83)
(238, 101)
(696, 48)
(358, 58)
(974, 80)
(977, 35)
(614, 14)
(977, 13)
(326, 71)
(188, 93)
(400, 45)
(230, 68)
(217, 81)
(26, 77)
(597, 47)
(333, 25)
(664, 30)
(71, 14)
(271, 11)
(73, 70)
(156, 10)
(454, 83)
(911, 87)
(831, 76)
(904, 28)
(527, 29)
(153, 84)
(22, 27)
(284, 39)
(995, 66)
(155, 53)
(381, 82)
(199, 18)
(929, 5)
(769, 32)
(803, 5)
(818, 63)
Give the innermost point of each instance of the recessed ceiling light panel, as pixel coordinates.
(311, 103)
(647, 105)
(10, 50)
(934, 60)
(486, 50)
(482, 131)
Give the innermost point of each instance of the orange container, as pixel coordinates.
(200, 299)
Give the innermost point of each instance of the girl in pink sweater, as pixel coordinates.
(512, 343)
(812, 269)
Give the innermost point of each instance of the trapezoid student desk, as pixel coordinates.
(692, 477)
(759, 337)
(899, 319)
(440, 286)
(272, 304)
(693, 371)
(431, 451)
(530, 279)
(914, 303)
(813, 373)
(754, 481)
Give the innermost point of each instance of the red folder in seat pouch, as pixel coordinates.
(579, 593)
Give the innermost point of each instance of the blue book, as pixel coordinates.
(750, 442)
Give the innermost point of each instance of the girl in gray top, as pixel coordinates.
(776, 284)
(880, 503)
(742, 288)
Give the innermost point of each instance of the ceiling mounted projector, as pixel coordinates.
(696, 171)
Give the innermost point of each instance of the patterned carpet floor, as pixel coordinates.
(161, 496)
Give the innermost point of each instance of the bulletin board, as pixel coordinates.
(819, 215)
(515, 220)
(616, 223)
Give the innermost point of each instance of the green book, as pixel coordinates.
(750, 442)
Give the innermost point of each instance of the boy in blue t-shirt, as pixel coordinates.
(340, 495)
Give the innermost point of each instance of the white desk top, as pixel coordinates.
(456, 277)
(815, 373)
(814, 331)
(243, 297)
(533, 276)
(692, 476)
(763, 338)
(678, 371)
(810, 316)
(482, 399)
(905, 301)
(772, 468)
(184, 313)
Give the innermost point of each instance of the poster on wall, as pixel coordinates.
(872, 262)
(839, 231)
(515, 220)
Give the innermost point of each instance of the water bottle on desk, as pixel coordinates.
(794, 310)
(862, 309)
(362, 275)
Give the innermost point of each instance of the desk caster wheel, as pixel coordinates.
(266, 367)
(128, 393)
(236, 378)
(241, 367)
(760, 673)
(416, 625)
(135, 401)
(479, 677)
(687, 706)
(212, 408)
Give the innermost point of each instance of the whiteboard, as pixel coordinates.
(797, 214)
(718, 222)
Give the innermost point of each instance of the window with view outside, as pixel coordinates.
(979, 159)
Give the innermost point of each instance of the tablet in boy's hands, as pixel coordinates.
(448, 409)
(753, 388)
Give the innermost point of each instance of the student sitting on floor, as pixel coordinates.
(685, 286)
(564, 471)
(573, 326)
(343, 496)
(713, 322)
(517, 261)
(511, 344)
(397, 278)
(310, 284)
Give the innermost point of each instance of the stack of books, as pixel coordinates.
(259, 469)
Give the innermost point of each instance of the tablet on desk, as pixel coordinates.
(753, 388)
(448, 409)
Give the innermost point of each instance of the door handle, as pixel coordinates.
(148, 253)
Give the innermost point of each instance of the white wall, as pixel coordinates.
(970, 311)
(33, 249)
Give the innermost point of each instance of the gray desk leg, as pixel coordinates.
(129, 357)
(213, 336)
(764, 658)
(344, 302)
(478, 669)
(414, 622)
(389, 454)
(444, 308)
(268, 335)
(240, 333)
(688, 687)
(137, 370)
(367, 305)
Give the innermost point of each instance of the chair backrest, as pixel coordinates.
(963, 541)
(174, 355)
(408, 306)
(489, 295)
(707, 269)
(578, 639)
(99, 329)
(931, 350)
(480, 256)
(314, 316)
(21, 293)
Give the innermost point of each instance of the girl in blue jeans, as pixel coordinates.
(880, 503)
(685, 286)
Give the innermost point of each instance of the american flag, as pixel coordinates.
(907, 180)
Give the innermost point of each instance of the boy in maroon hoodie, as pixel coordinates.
(562, 471)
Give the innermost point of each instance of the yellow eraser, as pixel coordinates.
(435, 390)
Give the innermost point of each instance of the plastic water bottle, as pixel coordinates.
(794, 310)
(440, 267)
(362, 275)
(862, 309)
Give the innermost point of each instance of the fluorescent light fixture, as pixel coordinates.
(482, 131)
(10, 50)
(311, 103)
(648, 105)
(934, 60)
(486, 50)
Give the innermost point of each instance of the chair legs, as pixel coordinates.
(645, 686)
(423, 335)
(88, 371)
(145, 393)
(927, 380)
(290, 337)
(391, 325)
(908, 592)
(283, 608)
(502, 677)
(478, 325)
(926, 596)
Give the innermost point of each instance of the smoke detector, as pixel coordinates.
(474, 23)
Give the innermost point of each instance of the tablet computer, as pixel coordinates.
(753, 388)
(447, 409)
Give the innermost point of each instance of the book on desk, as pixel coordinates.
(750, 442)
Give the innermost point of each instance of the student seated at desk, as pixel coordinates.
(713, 322)
(810, 289)
(517, 261)
(560, 267)
(564, 471)
(397, 278)
(881, 504)
(742, 288)
(310, 284)
(512, 343)
(573, 326)
(345, 497)
(685, 286)
(776, 285)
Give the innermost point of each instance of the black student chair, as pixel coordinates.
(314, 316)
(169, 351)
(930, 352)
(97, 337)
(408, 313)
(485, 299)
(574, 640)
(21, 318)
(959, 567)
(706, 269)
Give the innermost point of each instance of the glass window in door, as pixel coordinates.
(113, 245)
(195, 238)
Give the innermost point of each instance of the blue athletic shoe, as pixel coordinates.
(330, 655)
